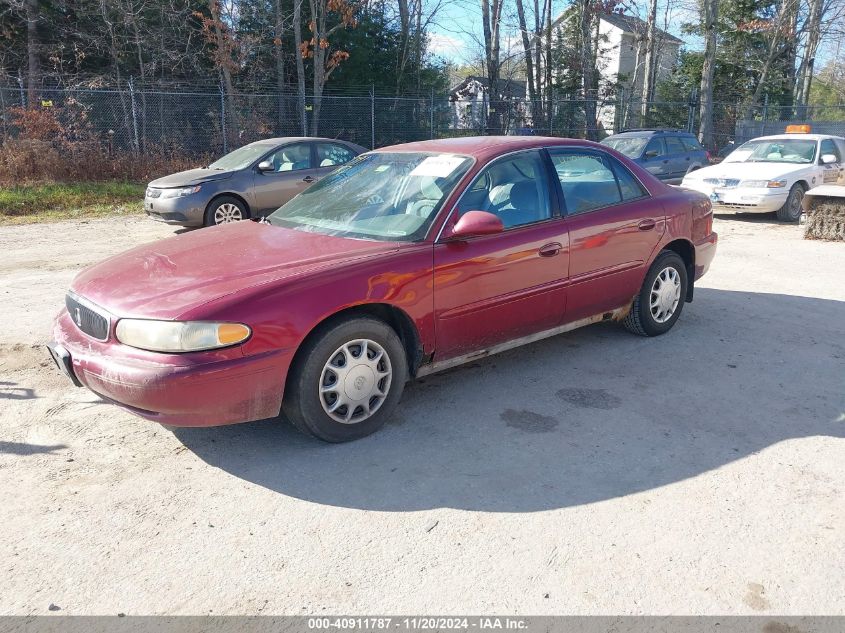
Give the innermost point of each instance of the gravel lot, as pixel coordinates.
(594, 473)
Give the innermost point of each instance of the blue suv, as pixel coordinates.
(668, 154)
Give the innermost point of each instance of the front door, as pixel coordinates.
(293, 171)
(494, 288)
(655, 160)
(614, 226)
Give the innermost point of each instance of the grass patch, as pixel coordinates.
(50, 202)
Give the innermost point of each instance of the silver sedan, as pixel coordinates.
(250, 182)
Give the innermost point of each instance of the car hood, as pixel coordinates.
(191, 177)
(168, 278)
(748, 171)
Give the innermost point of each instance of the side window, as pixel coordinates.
(329, 154)
(516, 189)
(629, 186)
(655, 145)
(691, 144)
(292, 158)
(829, 147)
(674, 145)
(587, 181)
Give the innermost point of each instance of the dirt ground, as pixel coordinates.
(700, 472)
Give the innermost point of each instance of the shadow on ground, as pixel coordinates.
(20, 448)
(585, 416)
(9, 391)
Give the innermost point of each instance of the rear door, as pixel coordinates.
(614, 226)
(329, 156)
(293, 171)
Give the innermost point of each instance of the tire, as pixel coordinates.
(648, 320)
(328, 359)
(225, 209)
(791, 209)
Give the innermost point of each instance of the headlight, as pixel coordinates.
(763, 184)
(179, 193)
(179, 336)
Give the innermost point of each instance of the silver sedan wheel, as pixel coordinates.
(227, 212)
(355, 381)
(665, 294)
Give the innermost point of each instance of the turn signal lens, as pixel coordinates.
(179, 336)
(776, 184)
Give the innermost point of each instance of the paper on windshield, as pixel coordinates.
(438, 166)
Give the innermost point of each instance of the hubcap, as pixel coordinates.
(795, 202)
(665, 294)
(355, 381)
(227, 212)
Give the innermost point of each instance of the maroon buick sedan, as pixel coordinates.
(407, 260)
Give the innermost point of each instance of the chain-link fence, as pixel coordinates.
(208, 122)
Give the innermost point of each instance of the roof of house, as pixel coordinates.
(509, 88)
(633, 24)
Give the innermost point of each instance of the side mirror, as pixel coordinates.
(652, 153)
(827, 159)
(265, 165)
(474, 223)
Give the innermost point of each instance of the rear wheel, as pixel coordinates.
(224, 210)
(791, 209)
(347, 380)
(659, 303)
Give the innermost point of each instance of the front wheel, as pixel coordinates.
(791, 209)
(224, 210)
(347, 380)
(659, 303)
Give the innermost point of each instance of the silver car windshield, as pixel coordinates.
(241, 158)
(389, 196)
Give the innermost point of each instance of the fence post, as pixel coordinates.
(372, 116)
(765, 107)
(223, 119)
(431, 114)
(135, 144)
(691, 110)
(23, 92)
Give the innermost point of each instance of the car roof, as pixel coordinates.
(812, 137)
(646, 132)
(487, 146)
(279, 140)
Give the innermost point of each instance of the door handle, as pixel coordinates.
(309, 179)
(646, 225)
(550, 250)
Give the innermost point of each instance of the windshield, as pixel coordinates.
(774, 151)
(382, 196)
(630, 146)
(241, 158)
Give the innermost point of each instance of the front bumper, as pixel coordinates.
(201, 389)
(742, 200)
(184, 211)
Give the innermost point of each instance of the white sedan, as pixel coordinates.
(771, 173)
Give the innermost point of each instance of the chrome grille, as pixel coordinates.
(722, 182)
(86, 318)
(153, 193)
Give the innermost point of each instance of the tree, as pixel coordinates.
(710, 14)
(491, 16)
